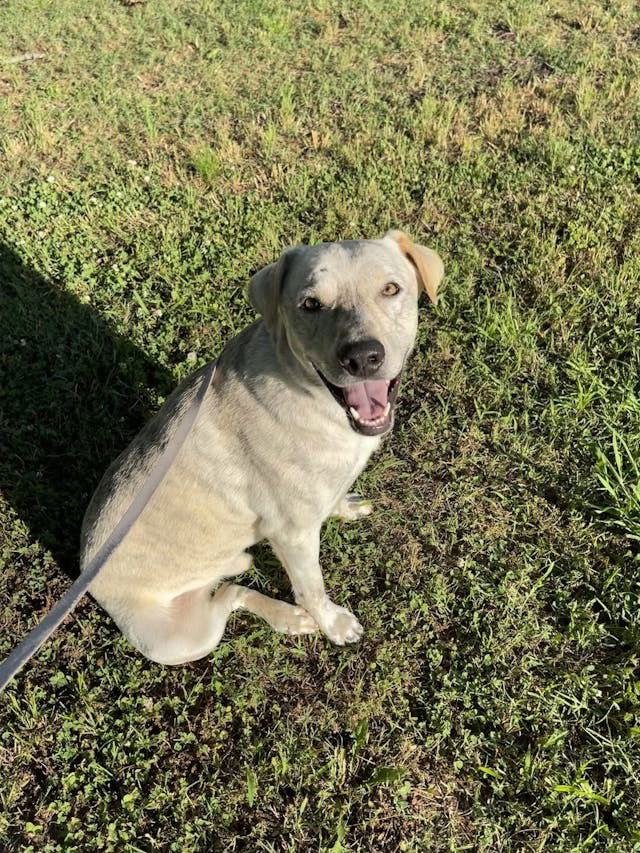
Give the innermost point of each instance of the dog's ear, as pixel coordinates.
(265, 287)
(427, 263)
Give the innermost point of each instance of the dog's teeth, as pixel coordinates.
(354, 413)
(372, 422)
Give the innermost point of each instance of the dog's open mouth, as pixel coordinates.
(368, 405)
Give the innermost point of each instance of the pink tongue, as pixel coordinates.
(368, 398)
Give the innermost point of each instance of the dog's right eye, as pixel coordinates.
(311, 304)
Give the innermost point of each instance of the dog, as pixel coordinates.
(299, 401)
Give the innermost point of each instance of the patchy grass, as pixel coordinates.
(157, 155)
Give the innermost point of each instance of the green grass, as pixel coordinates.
(154, 158)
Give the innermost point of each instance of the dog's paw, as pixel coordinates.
(339, 624)
(295, 620)
(352, 507)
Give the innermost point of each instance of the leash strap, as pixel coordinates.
(43, 630)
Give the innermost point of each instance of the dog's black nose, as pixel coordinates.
(361, 358)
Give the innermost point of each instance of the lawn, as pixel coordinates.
(155, 156)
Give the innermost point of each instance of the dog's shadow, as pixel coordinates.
(72, 395)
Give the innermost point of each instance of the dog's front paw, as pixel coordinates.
(352, 507)
(339, 624)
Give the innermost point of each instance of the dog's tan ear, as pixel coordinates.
(265, 287)
(428, 265)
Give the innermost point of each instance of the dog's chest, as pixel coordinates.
(311, 482)
(291, 455)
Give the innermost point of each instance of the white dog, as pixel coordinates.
(299, 402)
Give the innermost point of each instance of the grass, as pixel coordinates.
(156, 156)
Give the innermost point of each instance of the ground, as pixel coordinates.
(155, 156)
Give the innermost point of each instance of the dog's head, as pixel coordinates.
(349, 313)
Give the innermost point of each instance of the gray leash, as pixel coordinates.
(43, 630)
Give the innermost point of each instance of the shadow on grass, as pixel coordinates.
(72, 395)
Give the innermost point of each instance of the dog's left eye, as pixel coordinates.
(311, 304)
(390, 289)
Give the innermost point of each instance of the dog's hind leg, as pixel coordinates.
(191, 625)
(351, 507)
